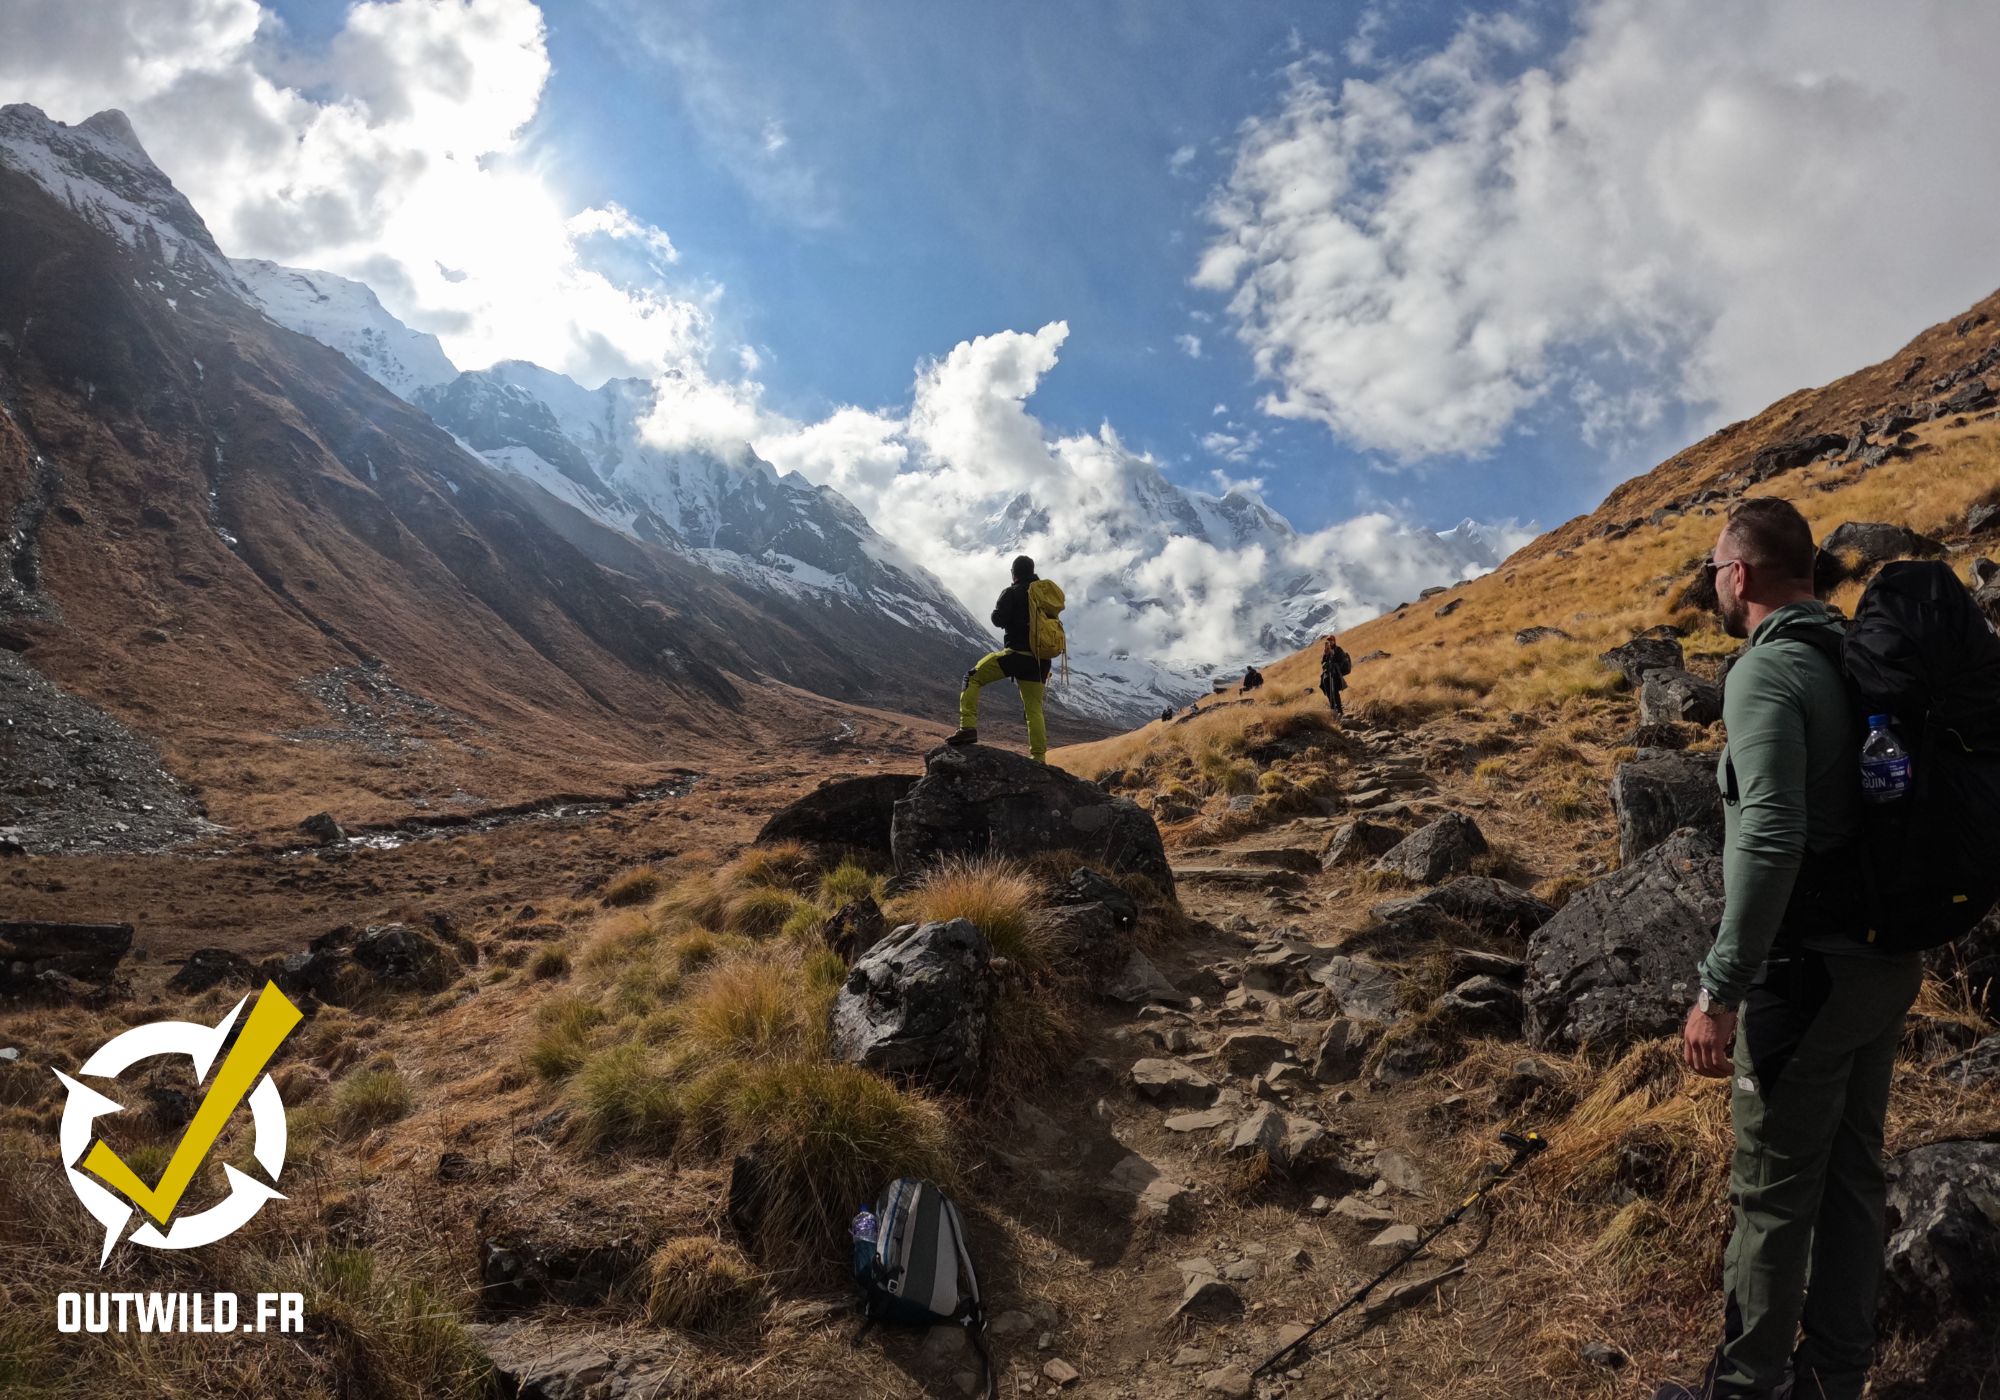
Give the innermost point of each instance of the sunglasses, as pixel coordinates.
(1711, 567)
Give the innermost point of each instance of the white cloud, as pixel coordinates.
(1181, 159)
(1687, 205)
(1190, 345)
(968, 477)
(395, 156)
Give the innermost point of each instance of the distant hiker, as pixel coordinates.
(1802, 1013)
(1167, 715)
(1028, 616)
(1334, 664)
(1252, 679)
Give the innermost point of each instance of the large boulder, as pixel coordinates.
(1445, 848)
(1485, 905)
(1793, 452)
(977, 800)
(1944, 1249)
(853, 813)
(920, 1004)
(1643, 654)
(1092, 920)
(1660, 792)
(1678, 697)
(1357, 841)
(1862, 544)
(347, 966)
(88, 952)
(1617, 963)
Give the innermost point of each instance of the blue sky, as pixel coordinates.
(1454, 261)
(944, 171)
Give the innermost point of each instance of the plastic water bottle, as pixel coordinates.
(863, 1228)
(1885, 763)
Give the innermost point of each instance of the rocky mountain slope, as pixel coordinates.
(210, 515)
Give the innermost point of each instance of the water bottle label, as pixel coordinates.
(1885, 778)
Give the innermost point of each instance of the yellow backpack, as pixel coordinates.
(1046, 639)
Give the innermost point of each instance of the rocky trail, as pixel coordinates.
(1255, 1144)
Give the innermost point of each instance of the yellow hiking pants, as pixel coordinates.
(997, 666)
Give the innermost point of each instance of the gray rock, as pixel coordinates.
(920, 1003)
(1205, 1120)
(1671, 697)
(1477, 902)
(1981, 517)
(1248, 1051)
(1944, 1242)
(1227, 1380)
(1979, 1065)
(88, 952)
(212, 967)
(1398, 1238)
(1482, 1006)
(1139, 982)
(1399, 1171)
(1357, 841)
(1172, 1084)
(1658, 793)
(1616, 963)
(1365, 990)
(322, 827)
(1263, 1131)
(1528, 636)
(1339, 1055)
(847, 813)
(1207, 1297)
(975, 800)
(1447, 609)
(1861, 545)
(1445, 848)
(1642, 654)
(532, 1362)
(855, 928)
(1795, 452)
(1361, 1214)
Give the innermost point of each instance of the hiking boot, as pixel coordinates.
(963, 737)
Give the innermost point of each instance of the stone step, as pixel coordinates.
(1237, 877)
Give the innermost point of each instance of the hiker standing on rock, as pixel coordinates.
(1334, 664)
(1799, 1011)
(1028, 616)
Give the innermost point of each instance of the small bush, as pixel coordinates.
(549, 963)
(700, 1284)
(823, 1136)
(635, 886)
(563, 1035)
(998, 895)
(762, 911)
(745, 1007)
(380, 1334)
(697, 900)
(365, 1101)
(803, 928)
(622, 1096)
(847, 882)
(784, 866)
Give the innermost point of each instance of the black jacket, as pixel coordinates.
(1333, 669)
(1010, 615)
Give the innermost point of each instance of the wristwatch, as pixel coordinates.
(1709, 1004)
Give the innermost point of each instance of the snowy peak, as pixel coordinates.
(98, 169)
(347, 316)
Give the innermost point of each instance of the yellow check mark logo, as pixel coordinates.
(270, 1021)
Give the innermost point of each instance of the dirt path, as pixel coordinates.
(1246, 1172)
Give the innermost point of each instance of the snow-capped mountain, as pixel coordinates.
(596, 453)
(99, 169)
(346, 315)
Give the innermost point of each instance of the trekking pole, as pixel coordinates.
(1525, 1146)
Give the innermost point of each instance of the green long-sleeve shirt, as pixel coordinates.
(1791, 739)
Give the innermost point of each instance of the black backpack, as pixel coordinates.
(917, 1271)
(1927, 867)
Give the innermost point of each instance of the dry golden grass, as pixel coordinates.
(997, 894)
(700, 1284)
(633, 887)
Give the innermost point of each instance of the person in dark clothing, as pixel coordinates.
(1167, 715)
(1334, 664)
(1015, 661)
(1252, 678)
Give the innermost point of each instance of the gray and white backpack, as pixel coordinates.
(914, 1268)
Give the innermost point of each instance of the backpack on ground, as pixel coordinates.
(1046, 639)
(917, 1270)
(1928, 864)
